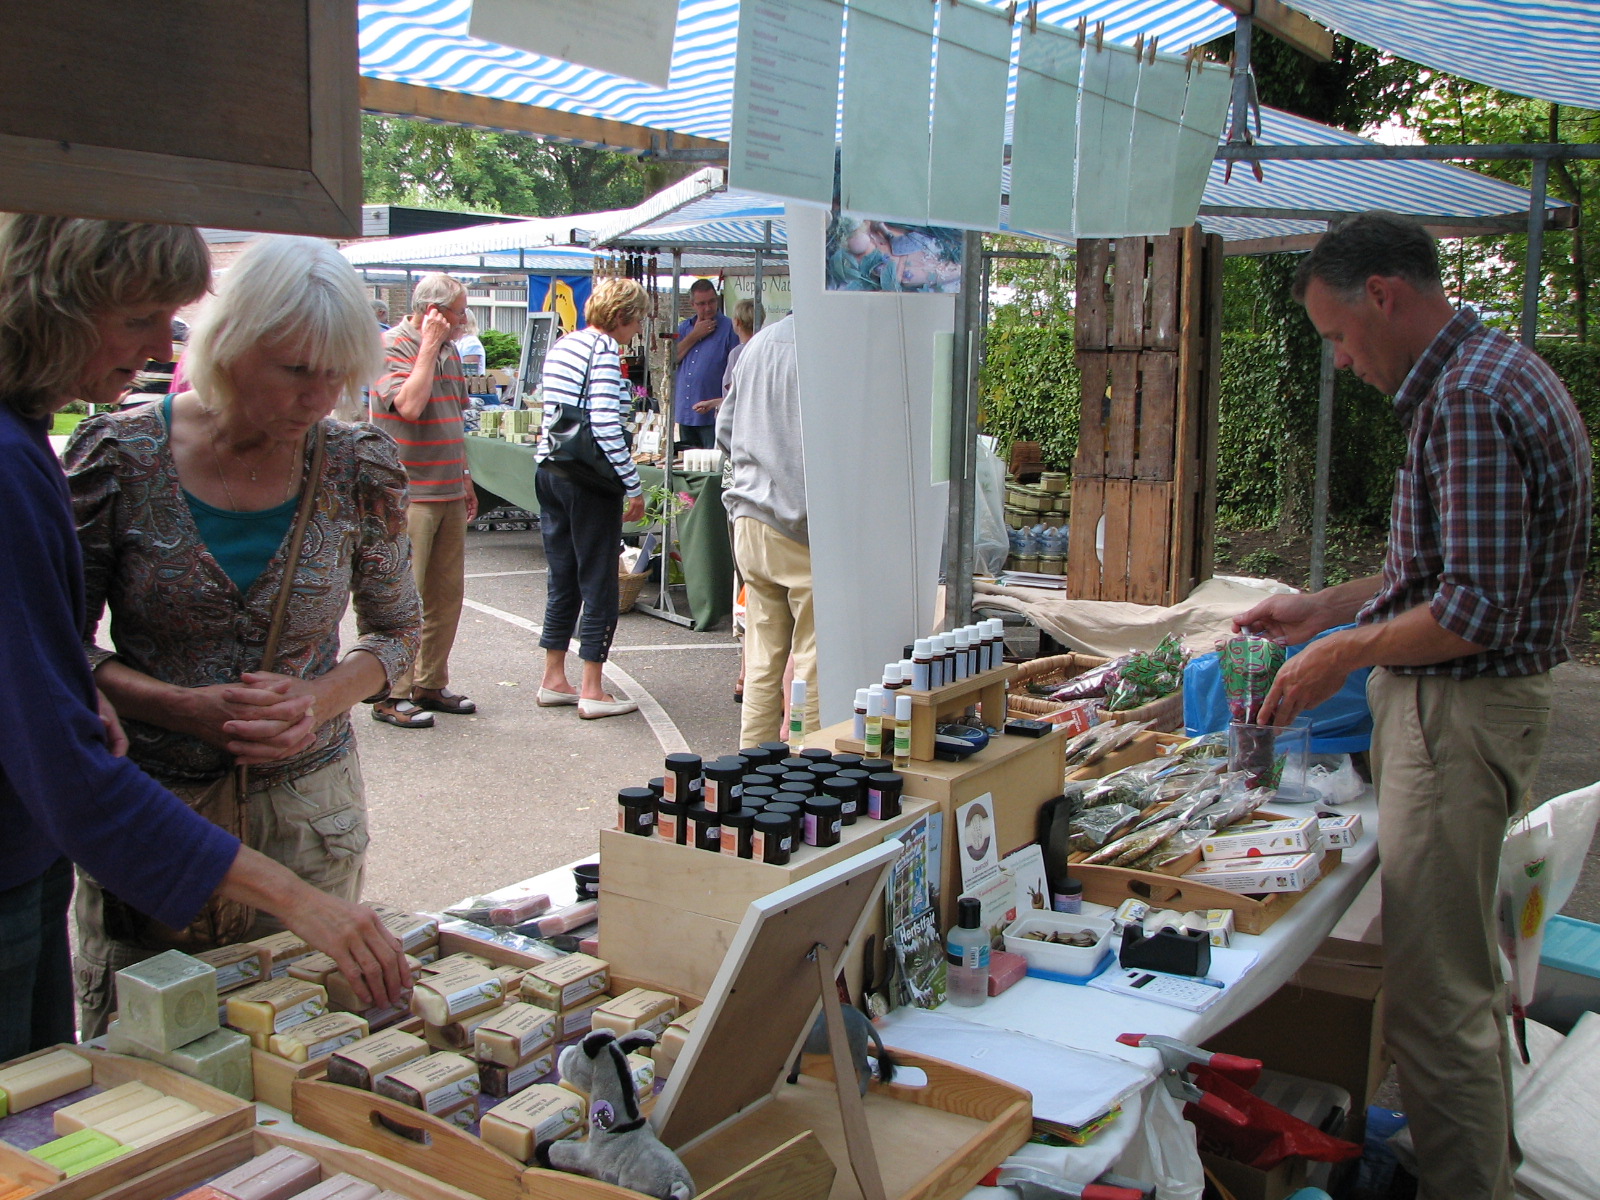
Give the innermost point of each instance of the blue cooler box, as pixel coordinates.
(1569, 973)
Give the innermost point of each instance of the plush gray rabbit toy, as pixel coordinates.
(621, 1147)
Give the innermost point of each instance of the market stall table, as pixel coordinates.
(506, 469)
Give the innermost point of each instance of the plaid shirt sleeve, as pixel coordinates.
(1480, 493)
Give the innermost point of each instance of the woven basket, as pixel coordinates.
(1167, 712)
(628, 589)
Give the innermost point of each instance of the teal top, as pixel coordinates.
(243, 543)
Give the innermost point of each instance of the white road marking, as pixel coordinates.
(681, 646)
(666, 730)
(503, 574)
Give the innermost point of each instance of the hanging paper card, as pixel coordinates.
(888, 72)
(631, 38)
(1105, 140)
(969, 115)
(786, 98)
(1044, 137)
(1205, 108)
(1158, 117)
(864, 255)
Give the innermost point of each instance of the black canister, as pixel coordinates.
(772, 773)
(849, 793)
(778, 750)
(705, 828)
(636, 811)
(794, 763)
(797, 777)
(796, 793)
(792, 813)
(682, 770)
(737, 826)
(672, 821)
(816, 754)
(771, 838)
(824, 770)
(723, 776)
(883, 795)
(758, 756)
(847, 761)
(757, 795)
(822, 821)
(658, 785)
(873, 765)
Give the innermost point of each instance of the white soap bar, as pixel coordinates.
(276, 1175)
(456, 992)
(318, 1038)
(237, 966)
(458, 1035)
(513, 1034)
(575, 1022)
(167, 1001)
(565, 983)
(282, 949)
(113, 1103)
(150, 1122)
(508, 1081)
(666, 1051)
(533, 1117)
(341, 1187)
(37, 1080)
(413, 931)
(264, 1009)
(313, 968)
(363, 1063)
(437, 1084)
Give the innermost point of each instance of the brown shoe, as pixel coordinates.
(444, 701)
(402, 714)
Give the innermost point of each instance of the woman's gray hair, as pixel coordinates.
(440, 289)
(1370, 243)
(286, 289)
(58, 274)
(744, 314)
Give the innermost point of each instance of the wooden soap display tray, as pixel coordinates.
(987, 690)
(230, 1115)
(275, 1076)
(174, 1178)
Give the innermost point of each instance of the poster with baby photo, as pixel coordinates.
(886, 256)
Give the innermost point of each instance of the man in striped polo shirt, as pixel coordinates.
(418, 402)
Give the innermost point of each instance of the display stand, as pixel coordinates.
(928, 709)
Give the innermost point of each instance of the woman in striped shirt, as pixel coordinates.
(581, 525)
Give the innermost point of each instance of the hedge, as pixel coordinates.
(1030, 391)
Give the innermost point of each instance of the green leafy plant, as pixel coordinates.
(661, 504)
(500, 349)
(1260, 562)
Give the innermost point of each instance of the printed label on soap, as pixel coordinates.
(337, 1042)
(459, 1002)
(529, 1072)
(235, 975)
(299, 1014)
(451, 1095)
(574, 992)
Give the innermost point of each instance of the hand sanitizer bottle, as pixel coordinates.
(967, 954)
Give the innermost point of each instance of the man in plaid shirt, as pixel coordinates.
(1487, 544)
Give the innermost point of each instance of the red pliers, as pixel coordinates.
(1176, 1059)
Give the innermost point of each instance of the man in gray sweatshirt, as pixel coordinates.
(758, 428)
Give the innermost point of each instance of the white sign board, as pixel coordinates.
(631, 38)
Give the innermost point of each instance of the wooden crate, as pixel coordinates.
(192, 1170)
(668, 913)
(1147, 329)
(230, 1115)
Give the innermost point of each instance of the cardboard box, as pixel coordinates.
(1247, 1183)
(1258, 839)
(1254, 876)
(1340, 831)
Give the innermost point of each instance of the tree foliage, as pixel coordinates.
(425, 165)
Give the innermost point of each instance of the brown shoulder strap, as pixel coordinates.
(302, 517)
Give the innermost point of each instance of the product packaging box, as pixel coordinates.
(1340, 831)
(1260, 839)
(1252, 876)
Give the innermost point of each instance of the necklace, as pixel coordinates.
(222, 476)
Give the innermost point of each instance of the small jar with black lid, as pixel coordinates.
(797, 792)
(883, 795)
(778, 750)
(757, 795)
(873, 765)
(705, 828)
(756, 756)
(723, 776)
(794, 814)
(771, 838)
(636, 811)
(773, 772)
(822, 821)
(682, 770)
(737, 826)
(824, 770)
(816, 754)
(797, 777)
(847, 761)
(794, 762)
(658, 785)
(849, 793)
(672, 821)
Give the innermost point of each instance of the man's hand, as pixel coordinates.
(1290, 619)
(116, 739)
(705, 406)
(435, 329)
(1313, 675)
(472, 500)
(634, 512)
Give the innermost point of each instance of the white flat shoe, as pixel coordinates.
(554, 699)
(593, 710)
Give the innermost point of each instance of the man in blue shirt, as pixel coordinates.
(701, 351)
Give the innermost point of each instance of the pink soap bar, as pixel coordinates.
(276, 1175)
(565, 919)
(341, 1187)
(590, 946)
(1005, 968)
(515, 912)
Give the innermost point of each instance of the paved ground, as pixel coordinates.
(482, 801)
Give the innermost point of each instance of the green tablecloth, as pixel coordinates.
(506, 469)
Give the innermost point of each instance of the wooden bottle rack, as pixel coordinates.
(987, 690)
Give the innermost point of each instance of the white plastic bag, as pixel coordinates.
(1539, 866)
(990, 542)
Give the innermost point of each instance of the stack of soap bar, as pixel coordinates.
(575, 1022)
(458, 1035)
(666, 1051)
(513, 1034)
(643, 1070)
(263, 1009)
(167, 1001)
(276, 1175)
(85, 1113)
(221, 1058)
(566, 983)
(534, 1117)
(282, 949)
(313, 968)
(45, 1077)
(501, 1081)
(1005, 969)
(456, 992)
(77, 1152)
(362, 1064)
(149, 1122)
(341, 1187)
(237, 966)
(414, 931)
(318, 1038)
(638, 1009)
(439, 1084)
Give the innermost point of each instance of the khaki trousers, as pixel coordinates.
(438, 530)
(778, 622)
(315, 825)
(1452, 762)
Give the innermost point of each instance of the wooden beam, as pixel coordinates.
(1283, 23)
(507, 116)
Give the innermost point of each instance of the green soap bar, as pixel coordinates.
(94, 1160)
(5, 1104)
(167, 1001)
(65, 1151)
(221, 1058)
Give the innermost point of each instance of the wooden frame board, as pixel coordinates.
(259, 129)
